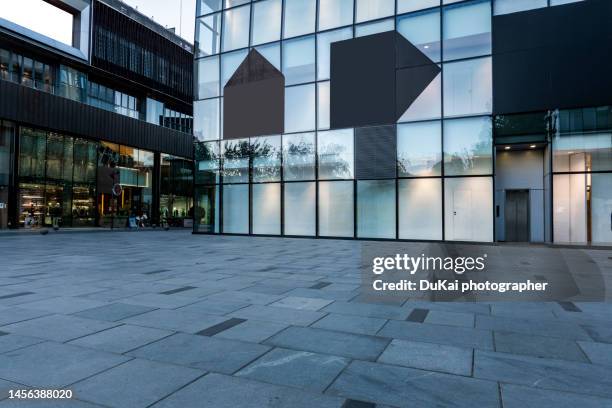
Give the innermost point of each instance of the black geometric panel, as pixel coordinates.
(551, 58)
(364, 90)
(375, 152)
(254, 99)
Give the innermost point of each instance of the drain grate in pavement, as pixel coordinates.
(569, 307)
(418, 315)
(540, 277)
(26, 275)
(177, 290)
(3, 333)
(156, 271)
(320, 285)
(13, 295)
(218, 328)
(351, 403)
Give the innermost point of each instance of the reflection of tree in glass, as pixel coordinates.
(300, 160)
(266, 159)
(332, 163)
(471, 157)
(236, 160)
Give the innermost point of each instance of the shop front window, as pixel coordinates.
(176, 193)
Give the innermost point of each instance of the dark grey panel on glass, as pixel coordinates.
(254, 102)
(551, 58)
(375, 152)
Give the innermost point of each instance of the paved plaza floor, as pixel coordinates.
(169, 319)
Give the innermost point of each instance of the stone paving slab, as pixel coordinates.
(178, 320)
(12, 342)
(253, 331)
(279, 315)
(121, 339)
(598, 353)
(516, 396)
(16, 314)
(113, 312)
(350, 324)
(538, 346)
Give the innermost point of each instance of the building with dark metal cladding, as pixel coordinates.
(96, 126)
(427, 120)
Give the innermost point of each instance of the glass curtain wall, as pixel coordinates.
(303, 182)
(176, 190)
(7, 139)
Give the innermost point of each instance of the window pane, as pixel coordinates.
(208, 36)
(208, 77)
(236, 28)
(423, 31)
(336, 216)
(208, 162)
(373, 9)
(405, 6)
(335, 13)
(236, 154)
(420, 208)
(266, 21)
(467, 30)
(419, 149)
(468, 203)
(229, 64)
(300, 108)
(206, 119)
(601, 208)
(299, 156)
(299, 17)
(234, 3)
(266, 158)
(374, 28)
(266, 208)
(208, 6)
(299, 60)
(428, 105)
(511, 6)
(468, 87)
(336, 154)
(323, 105)
(376, 209)
(271, 52)
(323, 49)
(236, 209)
(300, 210)
(468, 146)
(207, 209)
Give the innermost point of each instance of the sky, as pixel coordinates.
(169, 13)
(54, 23)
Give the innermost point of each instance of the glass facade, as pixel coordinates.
(305, 182)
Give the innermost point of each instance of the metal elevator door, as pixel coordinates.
(516, 215)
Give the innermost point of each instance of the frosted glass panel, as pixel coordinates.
(467, 30)
(420, 209)
(324, 42)
(266, 21)
(419, 149)
(236, 28)
(266, 208)
(236, 209)
(428, 105)
(206, 119)
(468, 87)
(299, 156)
(300, 108)
(336, 154)
(300, 16)
(601, 207)
(468, 146)
(336, 209)
(373, 9)
(335, 13)
(323, 105)
(569, 208)
(512, 6)
(423, 31)
(468, 211)
(300, 210)
(376, 209)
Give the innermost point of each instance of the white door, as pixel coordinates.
(462, 215)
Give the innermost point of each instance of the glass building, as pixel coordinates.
(468, 162)
(95, 116)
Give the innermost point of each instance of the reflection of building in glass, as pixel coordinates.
(88, 125)
(470, 159)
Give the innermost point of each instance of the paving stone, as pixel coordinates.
(121, 339)
(201, 352)
(351, 324)
(253, 331)
(598, 353)
(599, 333)
(538, 346)
(407, 387)
(279, 315)
(302, 303)
(114, 312)
(369, 310)
(62, 305)
(52, 365)
(427, 356)
(5, 387)
(429, 333)
(188, 321)
(65, 403)
(221, 391)
(302, 369)
(550, 328)
(516, 396)
(330, 342)
(16, 314)
(12, 342)
(322, 294)
(58, 327)
(245, 297)
(137, 383)
(159, 301)
(450, 318)
(215, 306)
(551, 374)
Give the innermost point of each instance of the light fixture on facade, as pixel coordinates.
(533, 146)
(507, 147)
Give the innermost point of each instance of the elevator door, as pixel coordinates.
(516, 215)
